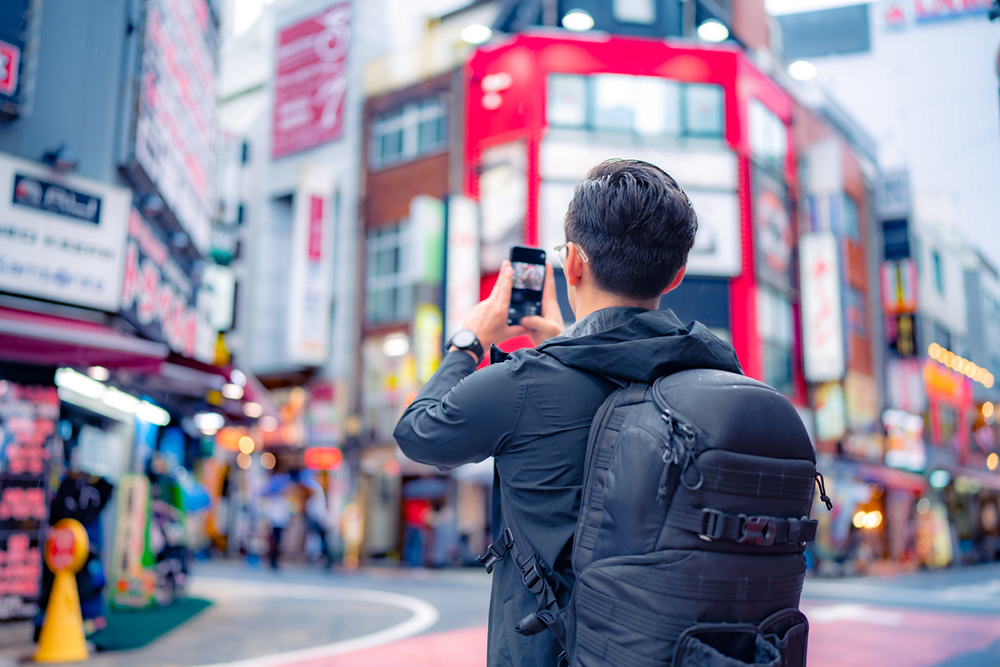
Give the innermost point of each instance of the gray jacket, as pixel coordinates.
(532, 412)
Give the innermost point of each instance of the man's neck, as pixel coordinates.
(588, 303)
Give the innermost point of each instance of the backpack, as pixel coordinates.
(693, 522)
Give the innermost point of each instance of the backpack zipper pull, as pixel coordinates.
(822, 492)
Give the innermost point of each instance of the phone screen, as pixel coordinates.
(529, 278)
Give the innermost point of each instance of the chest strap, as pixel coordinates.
(711, 524)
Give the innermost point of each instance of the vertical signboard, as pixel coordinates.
(462, 270)
(28, 416)
(175, 129)
(61, 237)
(773, 238)
(310, 293)
(822, 319)
(311, 81)
(160, 291)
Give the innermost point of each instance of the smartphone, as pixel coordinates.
(529, 278)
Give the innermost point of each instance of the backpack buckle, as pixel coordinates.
(712, 524)
(494, 554)
(761, 530)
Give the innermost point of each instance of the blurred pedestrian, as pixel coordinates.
(278, 512)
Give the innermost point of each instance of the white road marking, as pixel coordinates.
(424, 616)
(852, 612)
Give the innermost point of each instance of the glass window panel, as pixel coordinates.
(430, 135)
(567, 101)
(703, 110)
(614, 102)
(851, 218)
(391, 147)
(658, 111)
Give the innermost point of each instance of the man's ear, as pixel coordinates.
(677, 279)
(573, 270)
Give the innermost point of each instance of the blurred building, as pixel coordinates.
(543, 99)
(113, 311)
(937, 202)
(290, 98)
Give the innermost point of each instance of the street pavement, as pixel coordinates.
(390, 617)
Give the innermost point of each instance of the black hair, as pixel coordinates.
(635, 224)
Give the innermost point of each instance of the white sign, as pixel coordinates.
(717, 249)
(893, 198)
(61, 237)
(694, 169)
(310, 295)
(462, 278)
(822, 320)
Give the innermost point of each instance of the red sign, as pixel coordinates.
(10, 58)
(323, 458)
(311, 81)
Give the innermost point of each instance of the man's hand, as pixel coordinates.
(488, 318)
(550, 323)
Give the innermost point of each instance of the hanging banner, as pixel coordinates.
(311, 81)
(28, 416)
(822, 312)
(310, 294)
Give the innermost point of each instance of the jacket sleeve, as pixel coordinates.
(460, 416)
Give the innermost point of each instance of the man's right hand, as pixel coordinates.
(550, 322)
(488, 318)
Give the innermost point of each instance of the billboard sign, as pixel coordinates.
(311, 81)
(160, 291)
(175, 131)
(822, 311)
(61, 237)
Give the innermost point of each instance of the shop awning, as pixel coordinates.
(984, 478)
(51, 340)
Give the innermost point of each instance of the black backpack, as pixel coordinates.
(693, 522)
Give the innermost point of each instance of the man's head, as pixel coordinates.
(635, 225)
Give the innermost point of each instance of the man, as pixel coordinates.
(628, 229)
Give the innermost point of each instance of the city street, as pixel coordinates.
(381, 617)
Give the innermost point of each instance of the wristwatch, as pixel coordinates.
(466, 340)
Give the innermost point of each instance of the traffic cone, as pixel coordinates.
(62, 638)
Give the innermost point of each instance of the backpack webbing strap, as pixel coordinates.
(722, 589)
(711, 524)
(612, 653)
(532, 575)
(651, 624)
(759, 484)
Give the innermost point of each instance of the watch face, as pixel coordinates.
(463, 338)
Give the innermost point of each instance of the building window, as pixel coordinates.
(389, 287)
(642, 106)
(406, 133)
(634, 11)
(777, 331)
(768, 136)
(938, 271)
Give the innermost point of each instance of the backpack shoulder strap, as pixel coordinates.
(533, 575)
